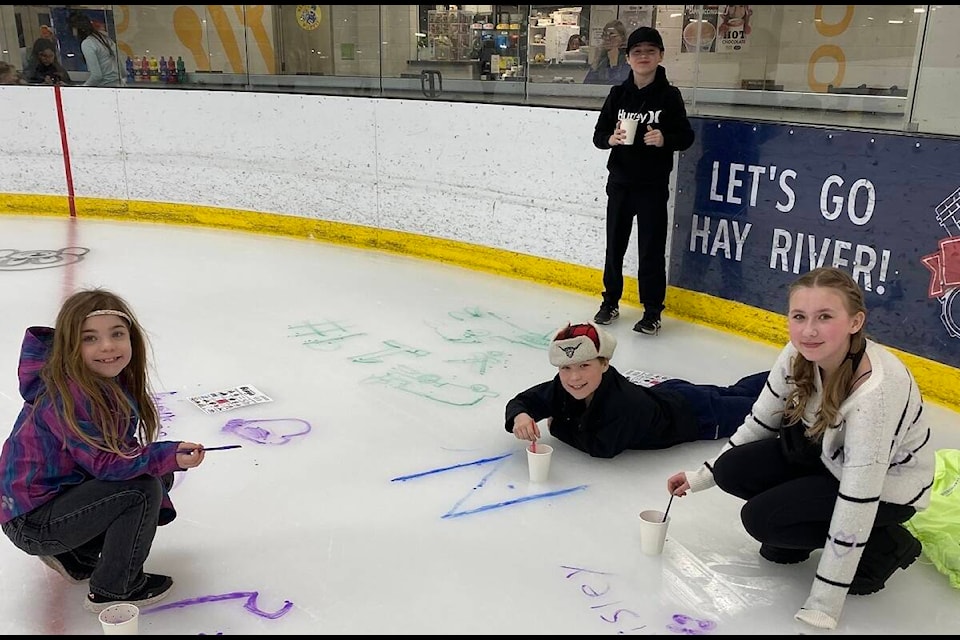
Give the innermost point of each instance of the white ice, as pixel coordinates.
(379, 493)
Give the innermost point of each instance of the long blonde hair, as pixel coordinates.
(837, 387)
(114, 402)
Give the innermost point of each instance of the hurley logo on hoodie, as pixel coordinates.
(647, 117)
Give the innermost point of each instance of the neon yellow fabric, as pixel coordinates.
(938, 526)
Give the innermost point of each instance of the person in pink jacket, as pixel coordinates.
(83, 480)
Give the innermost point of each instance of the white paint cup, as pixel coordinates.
(539, 462)
(653, 531)
(121, 619)
(630, 126)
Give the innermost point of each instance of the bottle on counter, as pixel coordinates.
(181, 70)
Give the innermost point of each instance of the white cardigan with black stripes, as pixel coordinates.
(880, 451)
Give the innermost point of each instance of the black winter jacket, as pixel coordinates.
(622, 415)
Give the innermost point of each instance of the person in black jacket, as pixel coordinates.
(45, 68)
(639, 175)
(591, 406)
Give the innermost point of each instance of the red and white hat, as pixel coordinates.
(576, 343)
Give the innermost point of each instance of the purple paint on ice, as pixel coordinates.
(256, 431)
(250, 605)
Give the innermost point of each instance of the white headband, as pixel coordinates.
(110, 312)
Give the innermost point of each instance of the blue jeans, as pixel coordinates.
(719, 410)
(97, 527)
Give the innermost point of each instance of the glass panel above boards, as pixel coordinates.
(889, 67)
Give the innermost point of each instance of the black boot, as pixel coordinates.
(888, 549)
(783, 556)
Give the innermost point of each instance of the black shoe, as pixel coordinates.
(887, 550)
(607, 314)
(64, 566)
(153, 590)
(783, 556)
(648, 324)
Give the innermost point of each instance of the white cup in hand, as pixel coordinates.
(630, 126)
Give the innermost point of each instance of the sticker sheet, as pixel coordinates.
(228, 399)
(644, 378)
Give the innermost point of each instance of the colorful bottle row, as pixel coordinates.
(144, 69)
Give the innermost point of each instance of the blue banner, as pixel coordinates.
(759, 204)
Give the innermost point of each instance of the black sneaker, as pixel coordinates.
(648, 324)
(783, 556)
(153, 590)
(607, 314)
(888, 549)
(73, 574)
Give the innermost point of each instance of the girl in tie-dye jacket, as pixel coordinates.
(83, 482)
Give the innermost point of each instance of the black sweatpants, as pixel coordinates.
(648, 203)
(788, 505)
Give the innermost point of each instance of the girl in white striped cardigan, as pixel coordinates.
(834, 454)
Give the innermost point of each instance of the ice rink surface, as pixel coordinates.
(377, 492)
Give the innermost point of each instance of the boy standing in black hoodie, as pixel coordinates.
(638, 184)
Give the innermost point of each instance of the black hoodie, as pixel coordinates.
(660, 105)
(621, 415)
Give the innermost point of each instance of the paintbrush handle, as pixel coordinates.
(224, 447)
(669, 502)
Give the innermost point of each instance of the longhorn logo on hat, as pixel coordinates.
(565, 347)
(571, 350)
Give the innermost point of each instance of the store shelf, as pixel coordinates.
(449, 35)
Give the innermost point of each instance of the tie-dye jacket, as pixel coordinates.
(42, 457)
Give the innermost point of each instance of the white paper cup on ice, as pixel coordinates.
(653, 531)
(539, 461)
(121, 619)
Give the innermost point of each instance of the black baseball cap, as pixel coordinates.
(645, 35)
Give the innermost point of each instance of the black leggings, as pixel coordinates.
(788, 505)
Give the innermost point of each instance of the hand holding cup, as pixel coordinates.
(628, 130)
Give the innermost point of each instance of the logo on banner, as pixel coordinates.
(944, 265)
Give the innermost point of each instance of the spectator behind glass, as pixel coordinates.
(609, 61)
(9, 74)
(99, 52)
(575, 42)
(46, 69)
(30, 58)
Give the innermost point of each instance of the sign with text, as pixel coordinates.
(699, 31)
(764, 203)
(733, 27)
